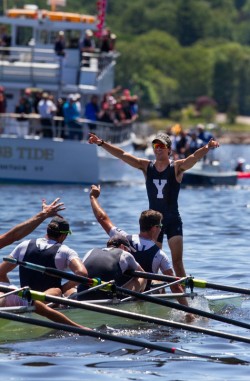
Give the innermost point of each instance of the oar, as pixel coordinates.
(139, 296)
(177, 306)
(100, 335)
(91, 282)
(191, 281)
(14, 291)
(125, 314)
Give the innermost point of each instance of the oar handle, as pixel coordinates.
(189, 282)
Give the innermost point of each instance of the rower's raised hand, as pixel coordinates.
(95, 191)
(94, 139)
(53, 208)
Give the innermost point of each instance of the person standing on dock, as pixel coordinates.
(163, 181)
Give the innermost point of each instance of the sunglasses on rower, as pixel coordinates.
(159, 145)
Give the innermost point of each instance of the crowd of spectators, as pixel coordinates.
(68, 117)
(116, 107)
(186, 142)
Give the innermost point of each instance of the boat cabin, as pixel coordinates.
(29, 60)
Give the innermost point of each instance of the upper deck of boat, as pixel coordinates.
(30, 60)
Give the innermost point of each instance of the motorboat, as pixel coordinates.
(209, 174)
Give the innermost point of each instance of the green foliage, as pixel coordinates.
(208, 114)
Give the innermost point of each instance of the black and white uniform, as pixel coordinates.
(44, 252)
(163, 191)
(149, 256)
(107, 264)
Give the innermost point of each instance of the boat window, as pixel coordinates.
(43, 37)
(23, 35)
(71, 38)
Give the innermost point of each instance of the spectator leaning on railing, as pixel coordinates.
(71, 118)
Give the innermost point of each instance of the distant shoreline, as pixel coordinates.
(234, 138)
(144, 130)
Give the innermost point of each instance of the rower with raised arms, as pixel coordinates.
(47, 251)
(16, 233)
(150, 257)
(163, 178)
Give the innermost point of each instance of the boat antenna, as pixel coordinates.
(54, 3)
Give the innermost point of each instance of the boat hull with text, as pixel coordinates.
(57, 161)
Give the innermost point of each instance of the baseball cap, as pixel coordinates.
(59, 225)
(163, 138)
(118, 240)
(71, 97)
(89, 32)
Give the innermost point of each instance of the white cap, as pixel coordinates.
(72, 97)
(241, 160)
(89, 32)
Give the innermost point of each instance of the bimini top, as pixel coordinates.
(34, 13)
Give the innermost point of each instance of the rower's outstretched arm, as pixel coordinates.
(187, 163)
(26, 227)
(44, 310)
(132, 160)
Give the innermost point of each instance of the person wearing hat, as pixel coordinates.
(163, 179)
(59, 48)
(15, 234)
(240, 165)
(47, 109)
(87, 46)
(49, 251)
(146, 250)
(110, 263)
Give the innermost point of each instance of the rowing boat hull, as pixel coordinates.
(12, 331)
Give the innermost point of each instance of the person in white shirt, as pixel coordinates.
(47, 109)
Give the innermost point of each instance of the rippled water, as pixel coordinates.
(216, 248)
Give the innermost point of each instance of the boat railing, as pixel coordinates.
(29, 126)
(42, 65)
(26, 54)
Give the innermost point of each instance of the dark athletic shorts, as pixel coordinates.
(170, 229)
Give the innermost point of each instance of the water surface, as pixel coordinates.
(216, 248)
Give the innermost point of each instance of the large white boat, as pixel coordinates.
(30, 62)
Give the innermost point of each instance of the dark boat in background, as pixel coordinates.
(209, 174)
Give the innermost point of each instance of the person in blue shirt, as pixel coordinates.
(92, 110)
(71, 118)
